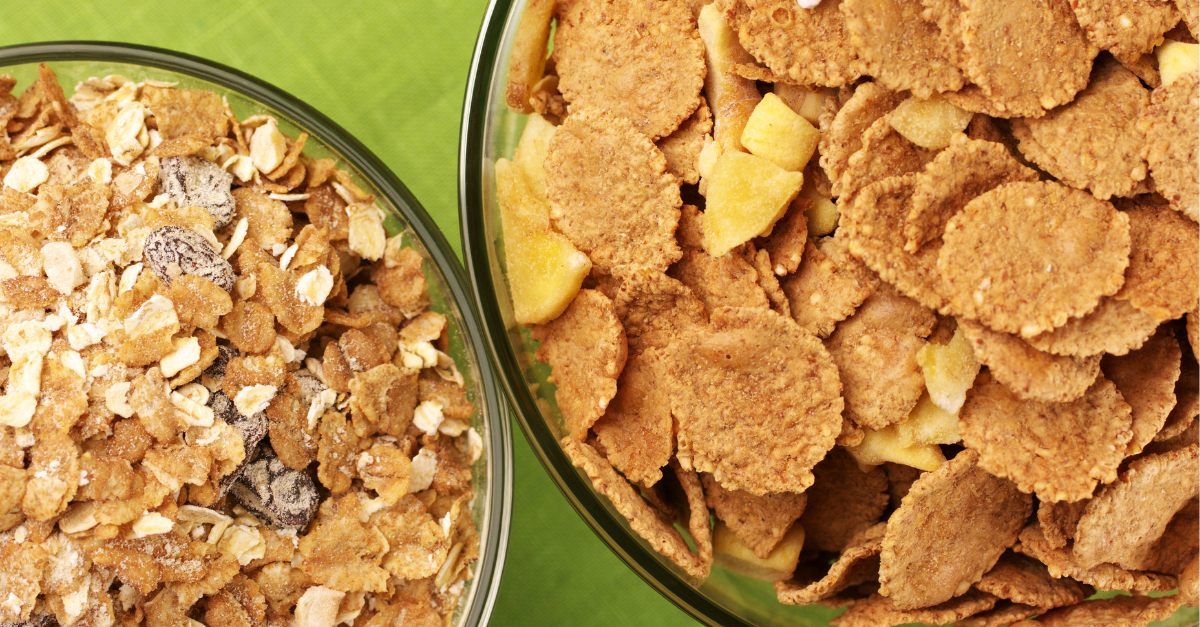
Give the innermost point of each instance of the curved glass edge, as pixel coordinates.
(497, 520)
(573, 485)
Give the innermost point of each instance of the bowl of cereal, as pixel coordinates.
(848, 313)
(244, 381)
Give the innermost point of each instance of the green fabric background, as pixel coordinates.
(393, 75)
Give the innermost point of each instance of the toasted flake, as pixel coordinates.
(586, 349)
(1058, 521)
(950, 529)
(1126, 28)
(1146, 380)
(1172, 127)
(873, 226)
(884, 153)
(820, 293)
(881, 611)
(842, 136)
(597, 161)
(1121, 611)
(1026, 56)
(654, 308)
(682, 148)
(876, 354)
(1032, 238)
(725, 281)
(1163, 277)
(614, 55)
(1114, 326)
(1092, 143)
(899, 48)
(842, 501)
(807, 45)
(759, 522)
(756, 361)
(1022, 579)
(641, 516)
(1122, 523)
(857, 564)
(1061, 563)
(1028, 372)
(636, 429)
(956, 175)
(1057, 450)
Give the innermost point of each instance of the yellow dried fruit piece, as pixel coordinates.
(1176, 58)
(928, 424)
(746, 195)
(822, 214)
(885, 445)
(544, 269)
(779, 135)
(531, 151)
(950, 371)
(929, 123)
(730, 554)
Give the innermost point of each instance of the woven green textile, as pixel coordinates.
(393, 75)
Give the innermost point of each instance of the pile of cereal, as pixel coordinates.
(904, 291)
(226, 400)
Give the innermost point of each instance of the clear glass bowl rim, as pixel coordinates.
(499, 463)
(576, 488)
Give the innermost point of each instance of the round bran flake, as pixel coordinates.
(1022, 579)
(947, 16)
(1058, 451)
(757, 400)
(1172, 127)
(1126, 28)
(959, 173)
(1187, 401)
(972, 98)
(635, 429)
(880, 611)
(586, 349)
(682, 147)
(950, 529)
(1120, 611)
(842, 136)
(1190, 10)
(1026, 257)
(655, 308)
(1028, 56)
(1146, 380)
(1114, 327)
(637, 59)
(808, 46)
(1093, 142)
(884, 153)
(759, 522)
(872, 223)
(610, 193)
(875, 351)
(1193, 331)
(899, 48)
(1163, 277)
(1028, 372)
(1061, 563)
(1122, 523)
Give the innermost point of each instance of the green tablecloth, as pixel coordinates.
(393, 74)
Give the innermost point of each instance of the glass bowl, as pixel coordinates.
(446, 280)
(490, 132)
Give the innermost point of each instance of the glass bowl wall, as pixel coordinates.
(490, 132)
(446, 280)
